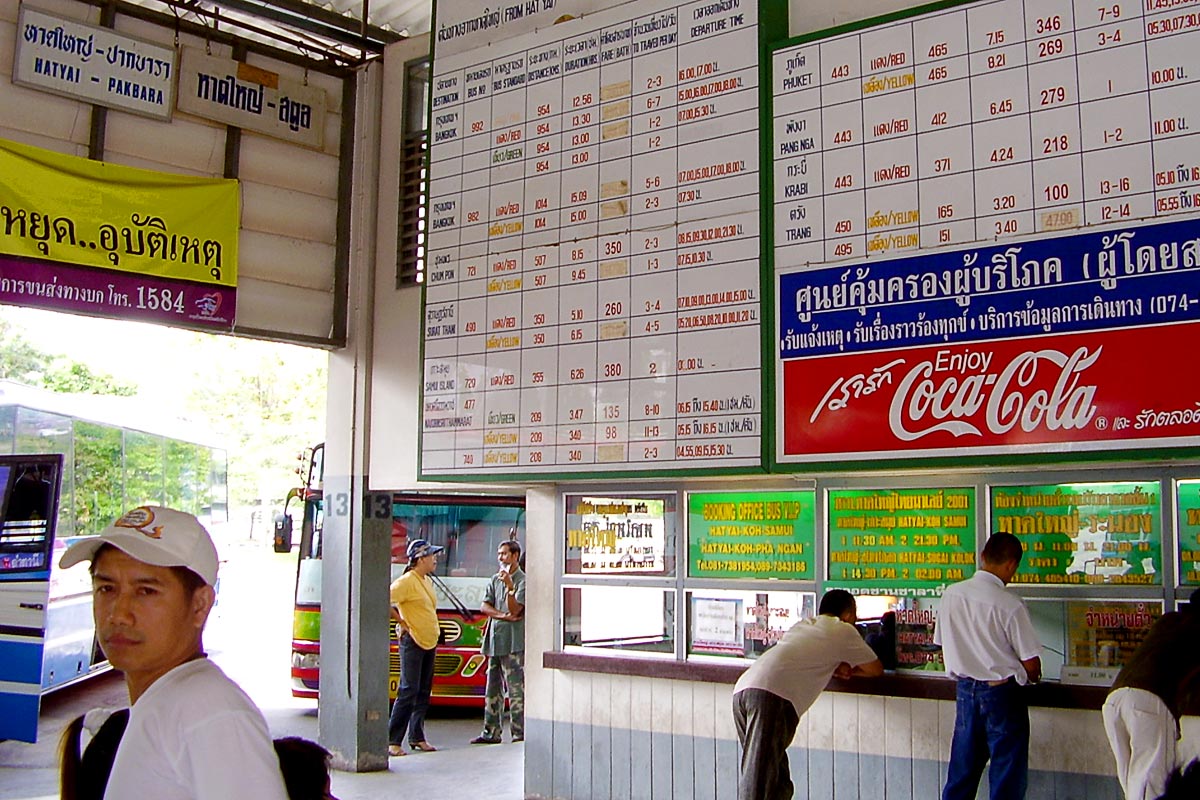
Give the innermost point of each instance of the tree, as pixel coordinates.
(19, 360)
(25, 363)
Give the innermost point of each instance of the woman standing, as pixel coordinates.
(414, 609)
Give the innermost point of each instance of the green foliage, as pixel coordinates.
(26, 363)
(74, 377)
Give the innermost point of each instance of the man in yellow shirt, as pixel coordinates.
(414, 608)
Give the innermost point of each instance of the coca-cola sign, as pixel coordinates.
(1096, 391)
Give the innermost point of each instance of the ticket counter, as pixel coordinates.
(664, 596)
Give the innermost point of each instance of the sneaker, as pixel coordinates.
(486, 740)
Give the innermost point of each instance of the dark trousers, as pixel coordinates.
(766, 724)
(990, 722)
(412, 700)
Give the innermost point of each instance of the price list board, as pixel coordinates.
(983, 121)
(911, 542)
(1083, 533)
(1187, 525)
(593, 283)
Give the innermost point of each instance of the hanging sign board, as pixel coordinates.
(96, 65)
(251, 98)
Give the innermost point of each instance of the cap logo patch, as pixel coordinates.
(140, 519)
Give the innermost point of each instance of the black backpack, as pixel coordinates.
(85, 775)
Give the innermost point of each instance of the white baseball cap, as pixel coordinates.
(163, 537)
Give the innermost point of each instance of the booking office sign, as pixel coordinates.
(1052, 345)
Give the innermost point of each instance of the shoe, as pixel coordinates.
(396, 750)
(485, 740)
(424, 747)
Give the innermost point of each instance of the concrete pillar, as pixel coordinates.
(356, 569)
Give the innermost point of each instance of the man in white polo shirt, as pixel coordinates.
(990, 647)
(771, 696)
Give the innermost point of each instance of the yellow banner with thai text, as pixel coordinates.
(77, 211)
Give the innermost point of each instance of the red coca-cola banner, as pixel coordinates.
(1095, 391)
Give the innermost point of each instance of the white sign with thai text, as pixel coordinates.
(97, 65)
(252, 98)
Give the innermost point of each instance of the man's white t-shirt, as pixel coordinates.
(985, 631)
(801, 663)
(195, 735)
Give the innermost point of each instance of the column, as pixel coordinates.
(505, 261)
(442, 412)
(1000, 120)
(578, 258)
(652, 242)
(539, 300)
(844, 194)
(473, 266)
(613, 286)
(717, 238)
(798, 186)
(890, 140)
(1173, 67)
(1114, 112)
(945, 162)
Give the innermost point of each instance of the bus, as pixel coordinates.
(470, 527)
(69, 466)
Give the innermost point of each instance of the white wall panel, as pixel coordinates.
(274, 307)
(280, 259)
(270, 209)
(184, 146)
(277, 163)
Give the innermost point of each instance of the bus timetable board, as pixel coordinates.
(911, 542)
(934, 176)
(593, 292)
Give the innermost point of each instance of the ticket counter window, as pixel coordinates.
(742, 624)
(622, 618)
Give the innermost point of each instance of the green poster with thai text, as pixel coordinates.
(1084, 533)
(900, 541)
(751, 535)
(1188, 497)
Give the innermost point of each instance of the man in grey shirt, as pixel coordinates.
(504, 645)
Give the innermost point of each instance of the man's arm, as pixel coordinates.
(1033, 668)
(871, 669)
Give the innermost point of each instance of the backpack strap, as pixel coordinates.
(97, 762)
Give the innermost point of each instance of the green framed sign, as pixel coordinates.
(751, 535)
(1187, 498)
(1084, 533)
(900, 541)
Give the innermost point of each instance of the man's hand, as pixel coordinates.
(843, 671)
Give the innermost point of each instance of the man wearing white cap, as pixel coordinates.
(192, 733)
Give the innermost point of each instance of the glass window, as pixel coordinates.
(41, 432)
(619, 618)
(743, 624)
(8, 425)
(621, 535)
(99, 493)
(143, 469)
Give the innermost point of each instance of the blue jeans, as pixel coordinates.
(990, 722)
(412, 700)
